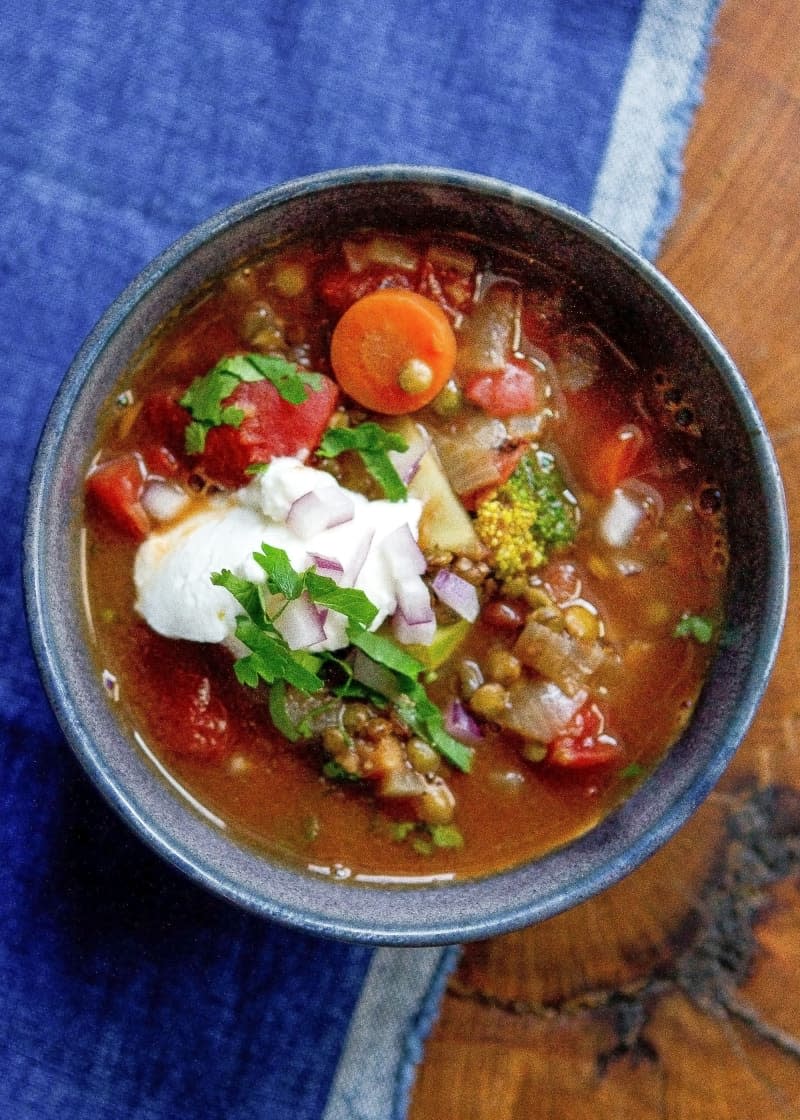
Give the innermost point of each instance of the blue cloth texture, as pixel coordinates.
(125, 990)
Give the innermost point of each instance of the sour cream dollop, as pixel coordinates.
(172, 570)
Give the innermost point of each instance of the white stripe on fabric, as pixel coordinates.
(638, 189)
(398, 1002)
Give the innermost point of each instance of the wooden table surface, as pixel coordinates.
(676, 994)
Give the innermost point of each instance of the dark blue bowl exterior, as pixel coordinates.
(650, 320)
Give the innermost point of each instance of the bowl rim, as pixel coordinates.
(623, 857)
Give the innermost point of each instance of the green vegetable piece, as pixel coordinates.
(372, 443)
(445, 642)
(282, 579)
(311, 828)
(401, 830)
(695, 626)
(526, 518)
(349, 601)
(631, 771)
(206, 395)
(385, 652)
(271, 660)
(446, 836)
(278, 712)
(337, 773)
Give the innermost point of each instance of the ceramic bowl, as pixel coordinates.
(639, 310)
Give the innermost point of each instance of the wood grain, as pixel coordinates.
(677, 992)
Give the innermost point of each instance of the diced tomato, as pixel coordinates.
(505, 392)
(542, 318)
(610, 446)
(185, 699)
(583, 742)
(165, 422)
(340, 287)
(615, 458)
(198, 720)
(271, 427)
(114, 490)
(160, 461)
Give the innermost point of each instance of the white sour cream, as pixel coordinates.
(173, 567)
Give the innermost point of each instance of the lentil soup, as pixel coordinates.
(395, 565)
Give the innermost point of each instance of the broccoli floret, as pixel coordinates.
(525, 519)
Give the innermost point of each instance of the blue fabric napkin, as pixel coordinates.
(126, 991)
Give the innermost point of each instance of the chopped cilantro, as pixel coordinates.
(695, 626)
(446, 836)
(631, 771)
(337, 773)
(279, 714)
(270, 659)
(311, 828)
(205, 398)
(283, 580)
(385, 652)
(425, 837)
(402, 829)
(372, 443)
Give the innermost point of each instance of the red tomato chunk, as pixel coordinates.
(271, 427)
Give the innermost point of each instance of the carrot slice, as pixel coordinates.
(393, 350)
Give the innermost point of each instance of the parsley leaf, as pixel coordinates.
(372, 443)
(631, 771)
(270, 659)
(695, 626)
(424, 717)
(205, 398)
(349, 601)
(446, 836)
(385, 652)
(282, 579)
(291, 381)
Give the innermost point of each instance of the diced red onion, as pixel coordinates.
(417, 633)
(458, 594)
(459, 723)
(403, 554)
(406, 463)
(316, 511)
(352, 569)
(328, 566)
(374, 675)
(413, 599)
(301, 623)
(162, 500)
